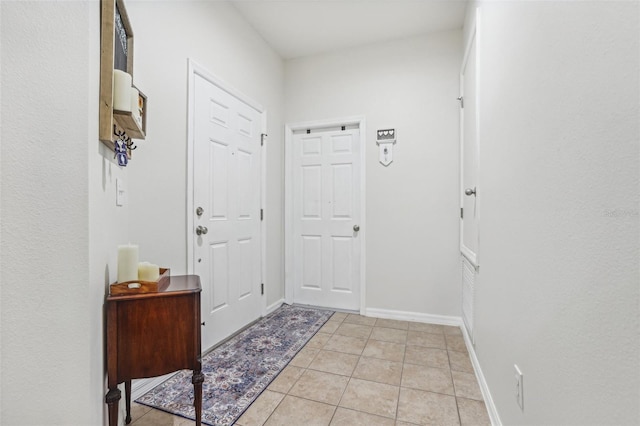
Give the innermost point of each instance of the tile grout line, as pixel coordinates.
(274, 410)
(455, 396)
(400, 387)
(342, 396)
(404, 357)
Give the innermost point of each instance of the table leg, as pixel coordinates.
(127, 393)
(197, 380)
(113, 400)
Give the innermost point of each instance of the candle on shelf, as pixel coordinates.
(121, 91)
(127, 263)
(135, 110)
(148, 271)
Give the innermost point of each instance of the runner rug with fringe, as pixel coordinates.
(239, 370)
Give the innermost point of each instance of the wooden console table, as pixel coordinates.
(151, 334)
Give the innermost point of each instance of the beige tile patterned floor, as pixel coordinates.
(366, 371)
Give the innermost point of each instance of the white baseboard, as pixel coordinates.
(274, 306)
(413, 316)
(141, 386)
(484, 387)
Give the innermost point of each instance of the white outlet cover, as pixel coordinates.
(519, 377)
(121, 193)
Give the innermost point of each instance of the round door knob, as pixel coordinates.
(470, 191)
(356, 228)
(201, 230)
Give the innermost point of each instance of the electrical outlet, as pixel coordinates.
(519, 387)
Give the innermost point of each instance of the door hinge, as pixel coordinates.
(262, 288)
(461, 213)
(261, 214)
(263, 136)
(461, 99)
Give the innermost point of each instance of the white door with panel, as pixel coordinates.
(326, 215)
(227, 247)
(469, 158)
(469, 163)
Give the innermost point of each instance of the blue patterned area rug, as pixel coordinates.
(240, 369)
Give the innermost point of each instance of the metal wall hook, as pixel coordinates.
(122, 135)
(121, 146)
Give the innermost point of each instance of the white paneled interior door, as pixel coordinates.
(226, 188)
(326, 217)
(469, 217)
(469, 191)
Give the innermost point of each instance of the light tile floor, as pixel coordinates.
(365, 371)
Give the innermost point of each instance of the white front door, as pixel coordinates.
(226, 198)
(326, 217)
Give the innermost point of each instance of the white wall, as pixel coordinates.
(558, 289)
(412, 205)
(214, 35)
(58, 225)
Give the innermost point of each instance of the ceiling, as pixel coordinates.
(296, 28)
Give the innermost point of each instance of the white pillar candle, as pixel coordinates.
(135, 111)
(121, 90)
(127, 263)
(148, 271)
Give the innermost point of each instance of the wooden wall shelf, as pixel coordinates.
(116, 52)
(125, 120)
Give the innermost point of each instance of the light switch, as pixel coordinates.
(121, 193)
(519, 387)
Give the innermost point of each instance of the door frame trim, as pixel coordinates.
(360, 121)
(469, 254)
(193, 69)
